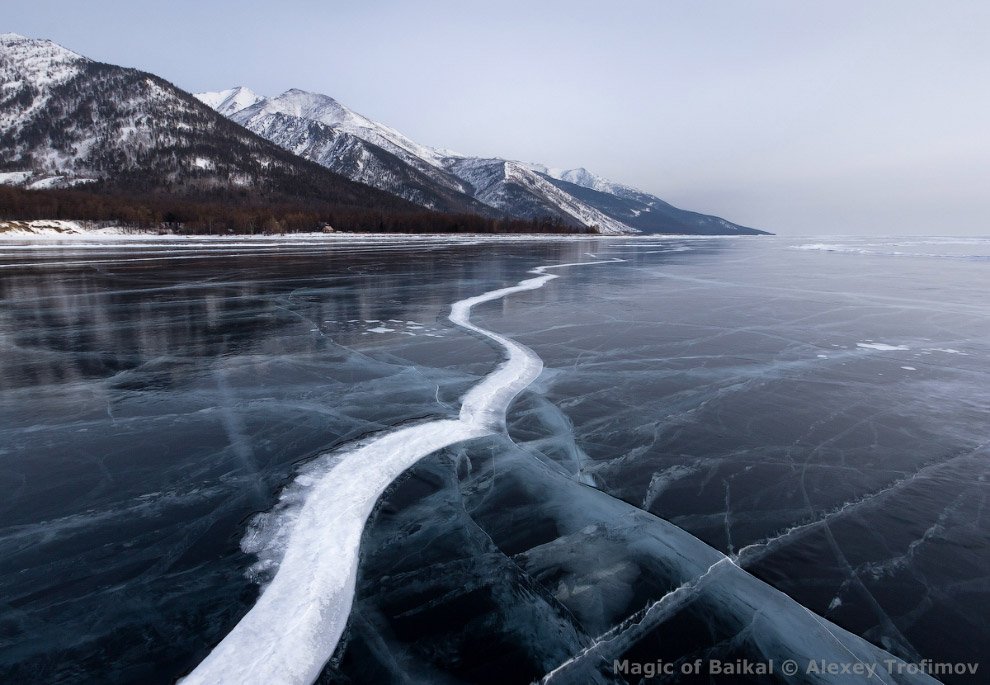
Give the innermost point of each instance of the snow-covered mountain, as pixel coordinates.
(65, 119)
(231, 100)
(635, 208)
(318, 128)
(31, 72)
(518, 191)
(323, 130)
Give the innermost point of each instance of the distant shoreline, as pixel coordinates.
(47, 231)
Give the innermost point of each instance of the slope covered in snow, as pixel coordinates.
(516, 190)
(326, 110)
(584, 178)
(30, 71)
(640, 210)
(636, 208)
(304, 131)
(229, 101)
(323, 130)
(66, 119)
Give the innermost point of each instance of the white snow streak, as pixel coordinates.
(882, 347)
(293, 629)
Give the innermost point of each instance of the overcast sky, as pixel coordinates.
(833, 116)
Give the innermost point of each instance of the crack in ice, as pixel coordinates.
(620, 637)
(756, 551)
(292, 630)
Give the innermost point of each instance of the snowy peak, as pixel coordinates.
(306, 105)
(228, 101)
(29, 70)
(35, 62)
(320, 129)
(328, 111)
(584, 178)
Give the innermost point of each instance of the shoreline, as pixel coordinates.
(46, 231)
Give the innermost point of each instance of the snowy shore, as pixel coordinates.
(42, 231)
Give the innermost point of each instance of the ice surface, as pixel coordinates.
(292, 630)
(952, 247)
(158, 392)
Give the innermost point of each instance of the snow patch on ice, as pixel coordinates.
(882, 347)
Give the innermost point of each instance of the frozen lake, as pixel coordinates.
(738, 448)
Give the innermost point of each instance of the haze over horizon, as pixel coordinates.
(834, 117)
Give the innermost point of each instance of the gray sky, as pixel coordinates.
(830, 116)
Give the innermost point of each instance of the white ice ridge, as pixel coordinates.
(292, 630)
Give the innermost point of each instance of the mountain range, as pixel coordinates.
(70, 122)
(323, 130)
(66, 121)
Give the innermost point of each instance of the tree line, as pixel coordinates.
(243, 214)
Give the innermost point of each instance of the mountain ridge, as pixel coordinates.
(318, 128)
(492, 185)
(86, 140)
(67, 120)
